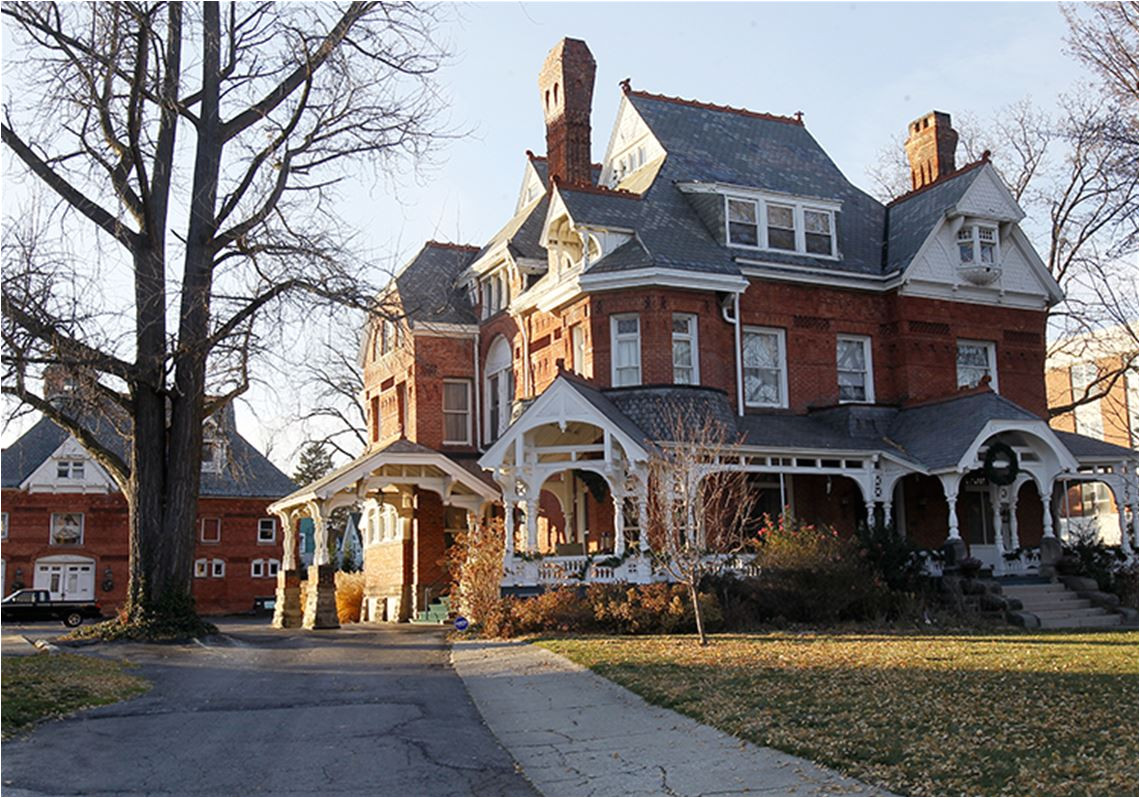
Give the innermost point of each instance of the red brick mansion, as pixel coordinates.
(873, 359)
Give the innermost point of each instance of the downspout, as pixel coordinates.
(738, 355)
(478, 390)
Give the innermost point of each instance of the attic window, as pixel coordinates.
(978, 244)
(781, 225)
(69, 469)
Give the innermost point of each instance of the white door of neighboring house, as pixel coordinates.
(66, 578)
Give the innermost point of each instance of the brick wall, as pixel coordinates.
(106, 540)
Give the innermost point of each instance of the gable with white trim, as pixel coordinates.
(59, 474)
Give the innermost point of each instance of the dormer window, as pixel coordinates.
(496, 293)
(978, 245)
(213, 451)
(781, 226)
(70, 469)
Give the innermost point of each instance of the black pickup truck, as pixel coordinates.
(37, 605)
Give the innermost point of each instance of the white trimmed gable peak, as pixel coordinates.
(632, 145)
(46, 479)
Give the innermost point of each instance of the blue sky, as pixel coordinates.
(859, 72)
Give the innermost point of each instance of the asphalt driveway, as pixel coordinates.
(370, 710)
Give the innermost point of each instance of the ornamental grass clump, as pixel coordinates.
(349, 596)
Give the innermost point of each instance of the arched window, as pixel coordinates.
(498, 388)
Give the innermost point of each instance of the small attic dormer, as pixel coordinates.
(634, 155)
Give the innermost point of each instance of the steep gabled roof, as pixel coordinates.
(428, 285)
(912, 217)
(247, 472)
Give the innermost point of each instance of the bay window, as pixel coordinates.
(625, 339)
(686, 368)
(978, 245)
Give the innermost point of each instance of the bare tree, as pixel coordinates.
(196, 151)
(1075, 174)
(335, 384)
(699, 505)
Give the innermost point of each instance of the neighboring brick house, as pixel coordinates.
(870, 357)
(66, 531)
(1085, 366)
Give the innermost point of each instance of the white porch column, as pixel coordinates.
(999, 532)
(1047, 514)
(1126, 537)
(950, 489)
(320, 534)
(508, 527)
(288, 540)
(618, 498)
(870, 514)
(886, 514)
(1014, 538)
(643, 517)
(531, 520)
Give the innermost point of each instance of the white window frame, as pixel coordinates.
(82, 529)
(615, 339)
(257, 569)
(728, 222)
(694, 350)
(70, 469)
(272, 566)
(578, 349)
(1088, 417)
(270, 523)
(202, 530)
(4, 528)
(217, 568)
(868, 373)
(991, 356)
(973, 236)
(781, 339)
(466, 413)
(798, 206)
(201, 568)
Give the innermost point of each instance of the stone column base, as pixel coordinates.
(320, 606)
(287, 611)
(955, 551)
(1050, 552)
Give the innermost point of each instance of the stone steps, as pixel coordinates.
(1056, 607)
(438, 612)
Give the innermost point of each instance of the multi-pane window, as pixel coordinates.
(70, 469)
(457, 412)
(784, 226)
(685, 362)
(211, 530)
(625, 332)
(764, 365)
(66, 529)
(817, 232)
(781, 227)
(742, 225)
(853, 366)
(978, 244)
(976, 360)
(496, 293)
(272, 567)
(578, 349)
(267, 530)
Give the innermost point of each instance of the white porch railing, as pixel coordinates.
(637, 568)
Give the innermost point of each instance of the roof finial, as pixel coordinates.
(800, 117)
(985, 156)
(624, 86)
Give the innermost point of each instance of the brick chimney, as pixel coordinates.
(566, 88)
(930, 145)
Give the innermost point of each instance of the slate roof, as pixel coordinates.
(937, 434)
(912, 216)
(429, 288)
(247, 472)
(1086, 448)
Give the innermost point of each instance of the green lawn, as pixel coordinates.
(975, 714)
(42, 686)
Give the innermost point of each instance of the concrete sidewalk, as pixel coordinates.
(575, 733)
